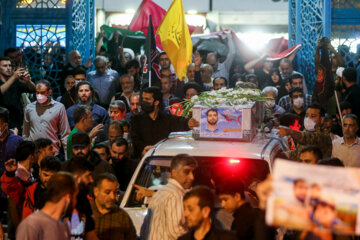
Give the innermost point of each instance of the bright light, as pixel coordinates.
(192, 11)
(234, 161)
(195, 20)
(130, 10)
(257, 40)
(119, 19)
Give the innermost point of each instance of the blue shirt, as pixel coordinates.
(8, 148)
(99, 114)
(106, 84)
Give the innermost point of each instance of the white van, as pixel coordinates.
(253, 160)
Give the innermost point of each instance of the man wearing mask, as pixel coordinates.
(314, 134)
(297, 101)
(86, 97)
(60, 198)
(46, 118)
(153, 124)
(296, 80)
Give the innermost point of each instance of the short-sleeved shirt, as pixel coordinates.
(11, 100)
(40, 226)
(98, 113)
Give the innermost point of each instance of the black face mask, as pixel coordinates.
(147, 107)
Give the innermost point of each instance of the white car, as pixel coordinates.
(253, 160)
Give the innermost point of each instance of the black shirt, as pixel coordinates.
(11, 100)
(244, 222)
(213, 234)
(352, 96)
(39, 198)
(124, 170)
(146, 131)
(84, 207)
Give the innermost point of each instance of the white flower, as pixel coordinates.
(194, 98)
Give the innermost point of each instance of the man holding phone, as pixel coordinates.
(12, 85)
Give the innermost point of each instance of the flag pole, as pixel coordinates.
(149, 52)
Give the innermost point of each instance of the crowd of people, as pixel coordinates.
(72, 157)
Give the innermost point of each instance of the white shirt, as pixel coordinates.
(348, 154)
(168, 209)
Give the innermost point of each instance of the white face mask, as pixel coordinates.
(309, 124)
(41, 98)
(270, 103)
(298, 102)
(126, 136)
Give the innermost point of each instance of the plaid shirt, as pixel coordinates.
(285, 102)
(113, 225)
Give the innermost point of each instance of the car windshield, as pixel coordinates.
(156, 171)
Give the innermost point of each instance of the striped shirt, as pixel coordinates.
(167, 207)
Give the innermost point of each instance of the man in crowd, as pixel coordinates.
(263, 72)
(8, 140)
(165, 63)
(310, 155)
(297, 104)
(206, 72)
(15, 56)
(124, 167)
(166, 205)
(45, 224)
(347, 148)
(82, 170)
(83, 122)
(111, 222)
(231, 192)
(43, 148)
(296, 80)
(133, 69)
(86, 97)
(166, 86)
(219, 82)
(12, 85)
(69, 97)
(153, 124)
(198, 206)
(81, 147)
(74, 62)
(352, 94)
(103, 150)
(117, 110)
(104, 80)
(222, 69)
(314, 134)
(127, 87)
(134, 105)
(345, 108)
(271, 108)
(46, 118)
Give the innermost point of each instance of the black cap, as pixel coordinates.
(80, 139)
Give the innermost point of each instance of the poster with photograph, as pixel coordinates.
(221, 122)
(315, 197)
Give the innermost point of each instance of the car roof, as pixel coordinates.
(183, 142)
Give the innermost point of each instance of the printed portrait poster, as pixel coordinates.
(221, 122)
(315, 198)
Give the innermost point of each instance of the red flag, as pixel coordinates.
(140, 21)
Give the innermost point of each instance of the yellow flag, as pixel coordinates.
(175, 38)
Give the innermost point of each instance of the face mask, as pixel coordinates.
(41, 98)
(126, 136)
(298, 102)
(309, 124)
(147, 107)
(270, 103)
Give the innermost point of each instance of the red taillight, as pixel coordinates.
(234, 161)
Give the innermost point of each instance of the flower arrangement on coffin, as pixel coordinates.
(237, 98)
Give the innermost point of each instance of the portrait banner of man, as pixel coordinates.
(221, 122)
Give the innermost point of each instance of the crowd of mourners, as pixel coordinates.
(68, 160)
